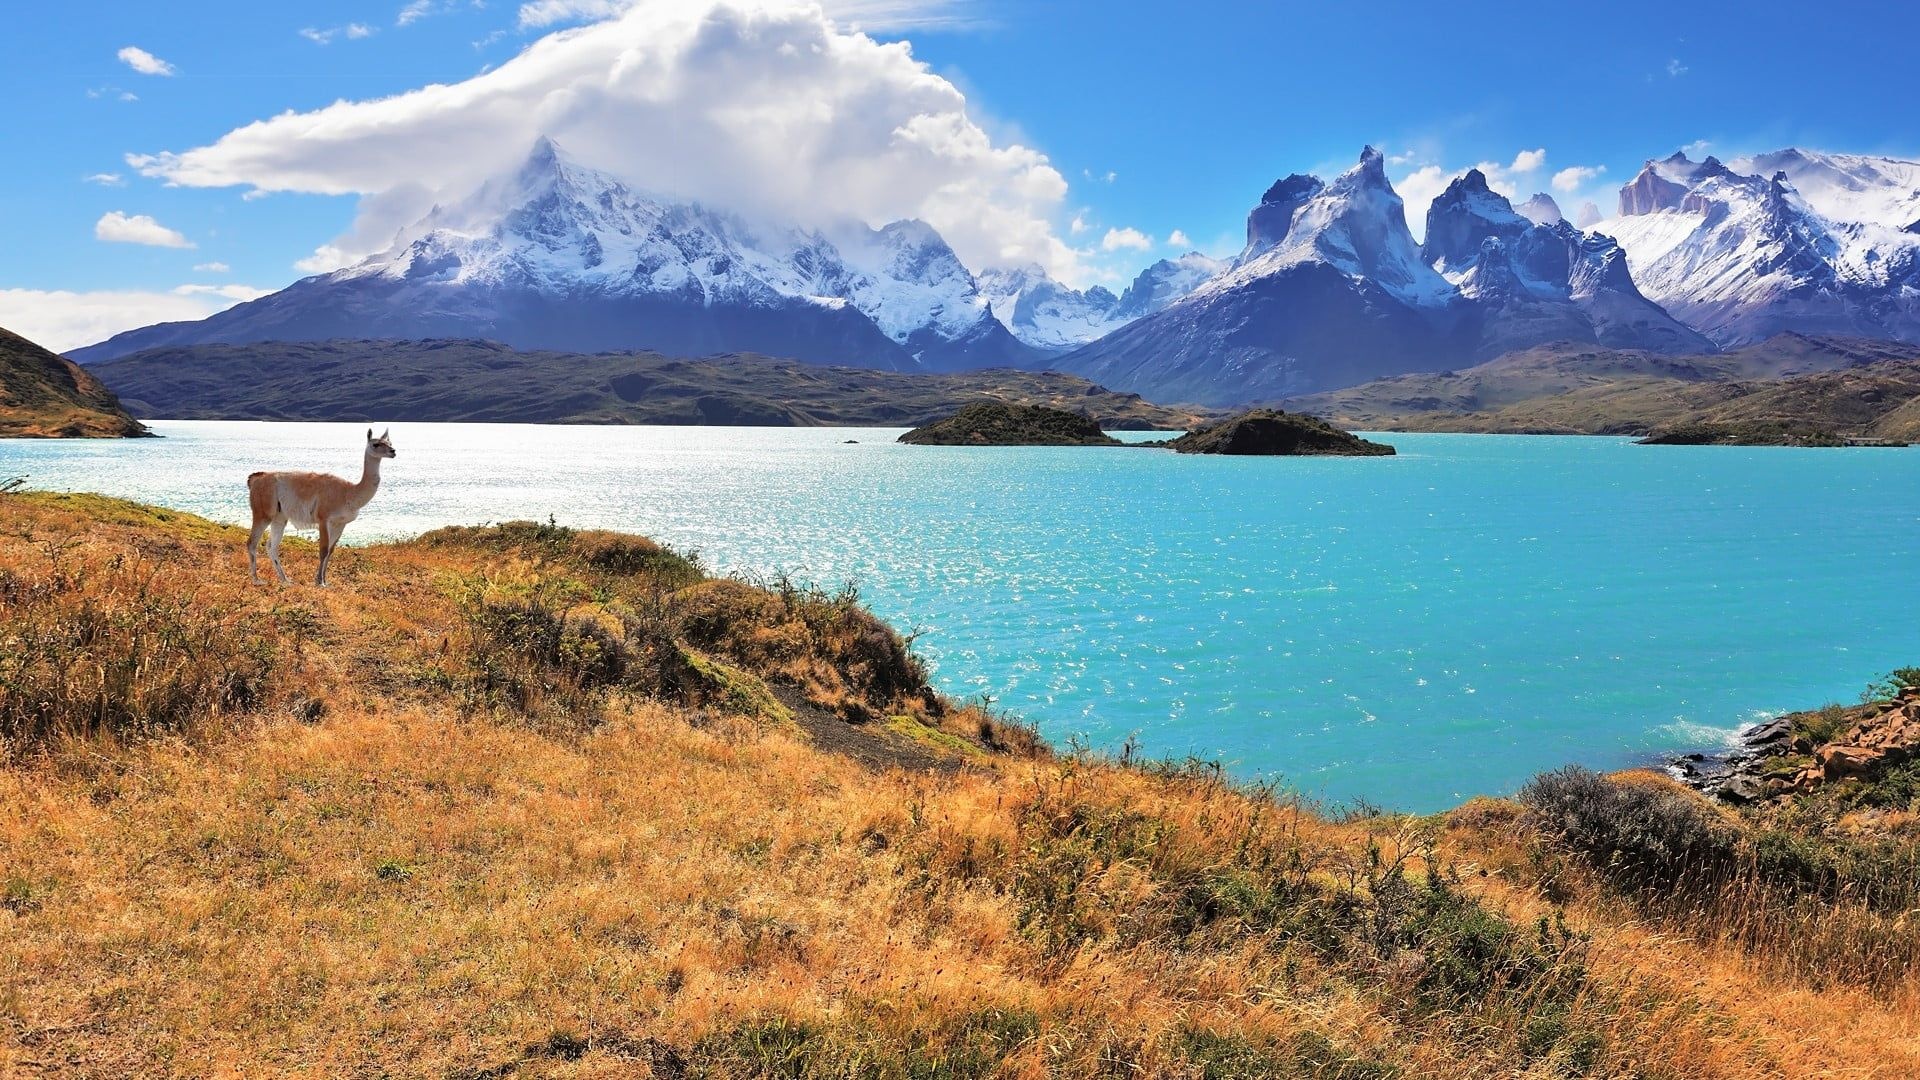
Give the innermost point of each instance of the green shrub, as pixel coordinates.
(1888, 686)
(1642, 836)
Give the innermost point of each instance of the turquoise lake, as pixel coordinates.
(1408, 631)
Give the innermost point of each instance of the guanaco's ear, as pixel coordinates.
(384, 434)
(369, 434)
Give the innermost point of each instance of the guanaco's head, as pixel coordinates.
(382, 446)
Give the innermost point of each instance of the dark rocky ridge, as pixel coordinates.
(1001, 424)
(1790, 385)
(484, 381)
(1272, 433)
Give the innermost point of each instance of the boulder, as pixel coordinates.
(1838, 761)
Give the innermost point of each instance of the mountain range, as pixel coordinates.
(1792, 240)
(560, 256)
(1329, 290)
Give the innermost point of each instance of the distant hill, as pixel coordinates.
(1581, 389)
(466, 380)
(43, 395)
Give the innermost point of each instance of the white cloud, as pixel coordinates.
(1107, 177)
(415, 10)
(1178, 239)
(1125, 238)
(351, 31)
(235, 293)
(1568, 180)
(1079, 224)
(118, 228)
(1420, 187)
(544, 13)
(769, 107)
(325, 259)
(871, 16)
(1417, 191)
(144, 62)
(113, 92)
(107, 179)
(212, 267)
(1675, 69)
(1696, 148)
(62, 320)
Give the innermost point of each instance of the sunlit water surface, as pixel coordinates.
(1408, 631)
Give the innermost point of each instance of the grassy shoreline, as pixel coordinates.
(526, 801)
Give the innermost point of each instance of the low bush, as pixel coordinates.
(1785, 883)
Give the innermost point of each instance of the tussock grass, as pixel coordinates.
(1784, 884)
(521, 801)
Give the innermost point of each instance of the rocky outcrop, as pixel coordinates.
(1272, 433)
(1650, 192)
(1777, 760)
(999, 424)
(1268, 223)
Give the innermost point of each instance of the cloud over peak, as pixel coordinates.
(764, 106)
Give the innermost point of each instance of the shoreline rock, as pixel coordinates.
(1776, 759)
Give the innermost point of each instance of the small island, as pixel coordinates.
(1270, 432)
(997, 423)
(1259, 432)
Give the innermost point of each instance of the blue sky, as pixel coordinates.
(1106, 126)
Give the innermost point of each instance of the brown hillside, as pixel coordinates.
(47, 396)
(522, 801)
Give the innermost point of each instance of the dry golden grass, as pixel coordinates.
(516, 803)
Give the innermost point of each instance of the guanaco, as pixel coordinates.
(310, 500)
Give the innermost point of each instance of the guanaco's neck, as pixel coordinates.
(369, 481)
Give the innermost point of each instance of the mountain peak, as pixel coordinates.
(1650, 191)
(1540, 209)
(1372, 166)
(1473, 181)
(544, 159)
(1295, 188)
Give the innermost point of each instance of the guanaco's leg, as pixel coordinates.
(273, 547)
(329, 535)
(253, 551)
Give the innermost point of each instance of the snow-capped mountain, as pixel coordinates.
(1164, 282)
(1332, 291)
(559, 256)
(1044, 313)
(1048, 315)
(1791, 240)
(1533, 282)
